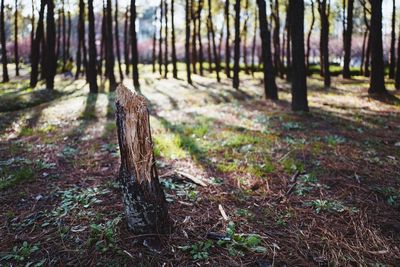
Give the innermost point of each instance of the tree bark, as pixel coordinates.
(309, 35)
(363, 52)
(160, 50)
(81, 36)
(194, 37)
(32, 25)
(51, 46)
(253, 48)
(16, 39)
(173, 41)
(299, 81)
(236, 66)
(64, 36)
(397, 77)
(288, 41)
(35, 49)
(58, 45)
(324, 10)
(227, 42)
(166, 57)
(3, 44)
(244, 44)
(126, 42)
(143, 198)
(135, 55)
(392, 62)
(201, 54)
(110, 60)
(214, 45)
(347, 36)
(270, 88)
(277, 41)
(187, 42)
(377, 82)
(69, 34)
(210, 69)
(92, 64)
(117, 44)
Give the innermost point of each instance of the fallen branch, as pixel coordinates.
(192, 178)
(223, 213)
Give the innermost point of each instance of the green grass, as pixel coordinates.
(11, 178)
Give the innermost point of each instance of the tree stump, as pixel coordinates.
(143, 198)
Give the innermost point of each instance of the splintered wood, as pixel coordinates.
(137, 132)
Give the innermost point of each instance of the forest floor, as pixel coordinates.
(298, 189)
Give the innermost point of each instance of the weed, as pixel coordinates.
(22, 253)
(329, 206)
(23, 174)
(334, 139)
(200, 250)
(103, 235)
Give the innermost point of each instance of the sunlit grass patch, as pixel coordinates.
(168, 145)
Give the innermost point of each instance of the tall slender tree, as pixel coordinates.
(16, 54)
(81, 38)
(288, 27)
(214, 45)
(270, 88)
(187, 41)
(324, 11)
(69, 33)
(377, 81)
(126, 42)
(51, 60)
(194, 37)
(3, 44)
(309, 34)
(199, 20)
(253, 48)
(64, 36)
(135, 55)
(173, 42)
(117, 43)
(227, 41)
(244, 33)
(32, 23)
(209, 56)
(299, 82)
(160, 40)
(397, 76)
(276, 38)
(166, 55)
(92, 64)
(35, 49)
(154, 50)
(236, 66)
(392, 62)
(110, 59)
(347, 36)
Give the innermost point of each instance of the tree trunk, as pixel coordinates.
(363, 52)
(309, 35)
(367, 71)
(64, 36)
(81, 36)
(227, 42)
(33, 26)
(103, 41)
(51, 46)
(92, 64)
(377, 82)
(166, 58)
(253, 48)
(214, 45)
(154, 50)
(35, 49)
(348, 32)
(210, 69)
(397, 77)
(271, 91)
(16, 39)
(58, 46)
(126, 42)
(324, 10)
(288, 51)
(392, 63)
(194, 36)
(173, 41)
(187, 42)
(68, 34)
(201, 54)
(3, 44)
(110, 60)
(244, 45)
(143, 198)
(277, 41)
(236, 66)
(117, 44)
(299, 82)
(135, 55)
(160, 53)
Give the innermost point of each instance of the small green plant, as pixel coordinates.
(68, 152)
(329, 206)
(244, 213)
(11, 178)
(334, 139)
(200, 250)
(290, 125)
(391, 194)
(291, 165)
(103, 235)
(22, 253)
(238, 244)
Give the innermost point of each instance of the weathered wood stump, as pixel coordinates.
(143, 197)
